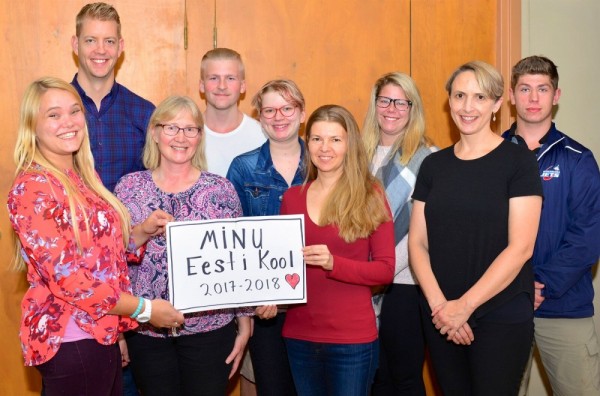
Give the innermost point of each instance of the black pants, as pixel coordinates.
(83, 367)
(402, 344)
(184, 365)
(492, 365)
(272, 371)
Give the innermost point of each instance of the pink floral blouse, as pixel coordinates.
(211, 197)
(64, 281)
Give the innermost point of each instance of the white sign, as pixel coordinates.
(226, 263)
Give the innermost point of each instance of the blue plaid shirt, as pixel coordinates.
(117, 131)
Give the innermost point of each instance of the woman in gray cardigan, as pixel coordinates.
(394, 137)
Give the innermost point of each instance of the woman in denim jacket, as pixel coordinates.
(260, 177)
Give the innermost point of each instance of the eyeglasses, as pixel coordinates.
(384, 102)
(270, 112)
(172, 130)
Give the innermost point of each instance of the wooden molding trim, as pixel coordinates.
(508, 52)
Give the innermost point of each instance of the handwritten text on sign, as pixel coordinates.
(239, 262)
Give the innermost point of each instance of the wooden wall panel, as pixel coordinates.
(334, 50)
(508, 53)
(446, 34)
(36, 42)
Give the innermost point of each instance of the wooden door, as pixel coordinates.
(333, 49)
(36, 42)
(446, 34)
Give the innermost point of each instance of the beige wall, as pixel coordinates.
(567, 31)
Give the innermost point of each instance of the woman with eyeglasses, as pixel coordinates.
(199, 358)
(396, 145)
(332, 339)
(260, 177)
(475, 216)
(71, 234)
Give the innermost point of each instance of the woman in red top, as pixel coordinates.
(332, 339)
(71, 235)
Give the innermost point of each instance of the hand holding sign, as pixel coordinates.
(266, 311)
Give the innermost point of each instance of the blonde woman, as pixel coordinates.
(199, 358)
(332, 339)
(475, 216)
(71, 235)
(396, 145)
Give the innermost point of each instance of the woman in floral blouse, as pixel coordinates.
(71, 235)
(198, 358)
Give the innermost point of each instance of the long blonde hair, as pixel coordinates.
(414, 133)
(356, 205)
(27, 152)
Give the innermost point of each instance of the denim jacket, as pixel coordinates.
(258, 184)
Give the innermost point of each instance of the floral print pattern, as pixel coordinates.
(66, 281)
(211, 197)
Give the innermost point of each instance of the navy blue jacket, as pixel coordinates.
(258, 184)
(568, 240)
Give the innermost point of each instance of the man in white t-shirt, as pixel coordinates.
(229, 132)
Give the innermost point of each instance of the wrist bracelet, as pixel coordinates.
(138, 309)
(146, 314)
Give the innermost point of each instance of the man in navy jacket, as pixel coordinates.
(568, 240)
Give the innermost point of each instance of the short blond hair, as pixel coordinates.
(489, 79)
(222, 54)
(165, 111)
(286, 88)
(98, 11)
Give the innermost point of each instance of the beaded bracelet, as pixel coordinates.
(138, 309)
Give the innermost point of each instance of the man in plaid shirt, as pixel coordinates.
(116, 117)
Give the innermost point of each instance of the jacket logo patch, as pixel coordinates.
(551, 172)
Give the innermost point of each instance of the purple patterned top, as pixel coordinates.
(211, 197)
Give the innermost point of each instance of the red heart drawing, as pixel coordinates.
(292, 280)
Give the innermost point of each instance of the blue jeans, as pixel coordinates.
(129, 387)
(323, 369)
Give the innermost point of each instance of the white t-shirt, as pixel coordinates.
(222, 148)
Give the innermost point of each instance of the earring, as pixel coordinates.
(494, 118)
